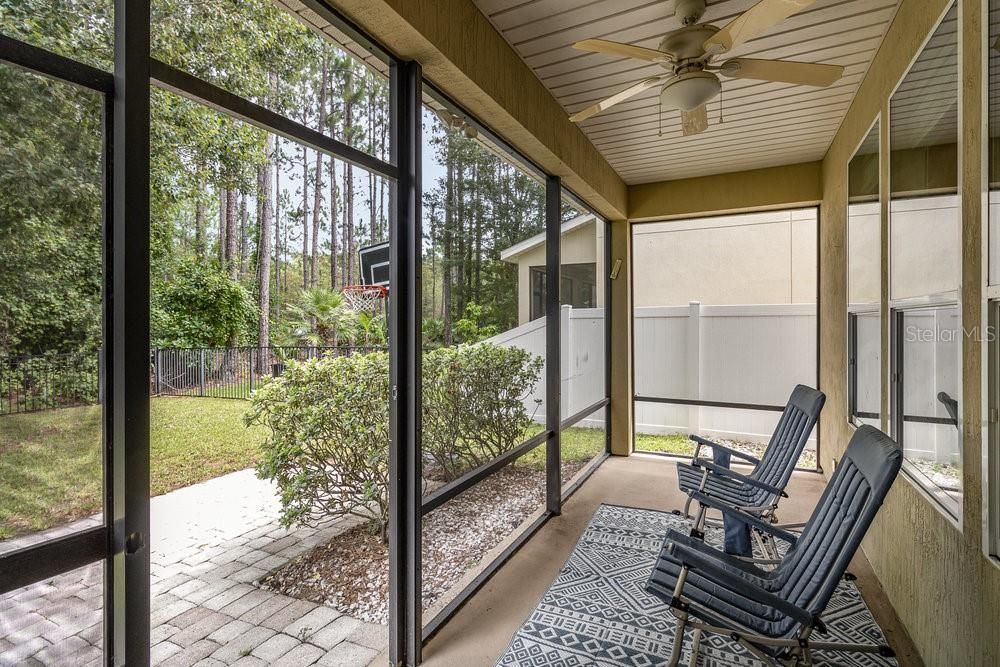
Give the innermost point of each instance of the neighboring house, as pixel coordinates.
(582, 268)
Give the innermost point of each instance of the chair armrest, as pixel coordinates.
(746, 479)
(756, 522)
(732, 452)
(743, 565)
(710, 568)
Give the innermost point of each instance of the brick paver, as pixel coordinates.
(211, 543)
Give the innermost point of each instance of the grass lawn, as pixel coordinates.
(50, 462)
(673, 443)
(577, 444)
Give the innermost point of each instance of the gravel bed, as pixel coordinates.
(350, 572)
(943, 475)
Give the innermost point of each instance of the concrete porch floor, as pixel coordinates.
(480, 631)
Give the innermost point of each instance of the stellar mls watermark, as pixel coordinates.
(914, 333)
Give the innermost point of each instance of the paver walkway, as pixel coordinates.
(210, 542)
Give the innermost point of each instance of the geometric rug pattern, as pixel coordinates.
(597, 611)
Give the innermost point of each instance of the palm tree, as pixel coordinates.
(322, 318)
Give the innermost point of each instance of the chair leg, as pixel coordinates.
(687, 508)
(695, 645)
(675, 653)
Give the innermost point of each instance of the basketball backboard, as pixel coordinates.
(374, 263)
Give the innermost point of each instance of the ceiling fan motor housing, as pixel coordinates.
(687, 43)
(690, 90)
(689, 12)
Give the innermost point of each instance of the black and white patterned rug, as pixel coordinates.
(597, 612)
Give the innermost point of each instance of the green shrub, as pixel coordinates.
(328, 446)
(329, 425)
(473, 404)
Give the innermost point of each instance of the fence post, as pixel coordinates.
(201, 372)
(694, 364)
(567, 361)
(253, 364)
(156, 370)
(100, 376)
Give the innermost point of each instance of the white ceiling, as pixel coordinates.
(764, 124)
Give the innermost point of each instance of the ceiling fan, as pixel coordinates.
(687, 54)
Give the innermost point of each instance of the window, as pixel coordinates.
(583, 339)
(484, 363)
(924, 276)
(724, 326)
(577, 287)
(864, 283)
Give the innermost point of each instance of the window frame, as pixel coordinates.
(897, 307)
(853, 416)
(637, 398)
(949, 508)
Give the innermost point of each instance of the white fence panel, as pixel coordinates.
(745, 354)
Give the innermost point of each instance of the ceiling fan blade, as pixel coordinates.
(754, 21)
(624, 50)
(786, 71)
(632, 91)
(694, 121)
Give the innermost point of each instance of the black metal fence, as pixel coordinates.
(228, 372)
(31, 384)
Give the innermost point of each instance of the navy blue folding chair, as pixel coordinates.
(776, 614)
(757, 493)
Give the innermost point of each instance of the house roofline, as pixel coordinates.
(530, 243)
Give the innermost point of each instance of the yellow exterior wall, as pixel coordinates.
(774, 187)
(944, 589)
(578, 246)
(621, 340)
(464, 56)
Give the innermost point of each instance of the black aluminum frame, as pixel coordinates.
(638, 398)
(853, 415)
(405, 348)
(897, 376)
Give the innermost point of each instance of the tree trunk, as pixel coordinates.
(446, 262)
(349, 222)
(318, 185)
(305, 217)
(244, 236)
(278, 251)
(264, 259)
(334, 217)
(231, 265)
(199, 220)
(222, 228)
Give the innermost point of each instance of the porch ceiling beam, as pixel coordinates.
(786, 186)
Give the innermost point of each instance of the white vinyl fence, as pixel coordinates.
(739, 354)
(583, 354)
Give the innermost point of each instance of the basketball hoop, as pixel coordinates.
(365, 298)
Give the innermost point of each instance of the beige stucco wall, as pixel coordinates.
(943, 587)
(583, 245)
(621, 340)
(755, 258)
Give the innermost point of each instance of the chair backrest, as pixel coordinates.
(810, 571)
(790, 436)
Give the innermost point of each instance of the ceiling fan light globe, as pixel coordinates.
(689, 91)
